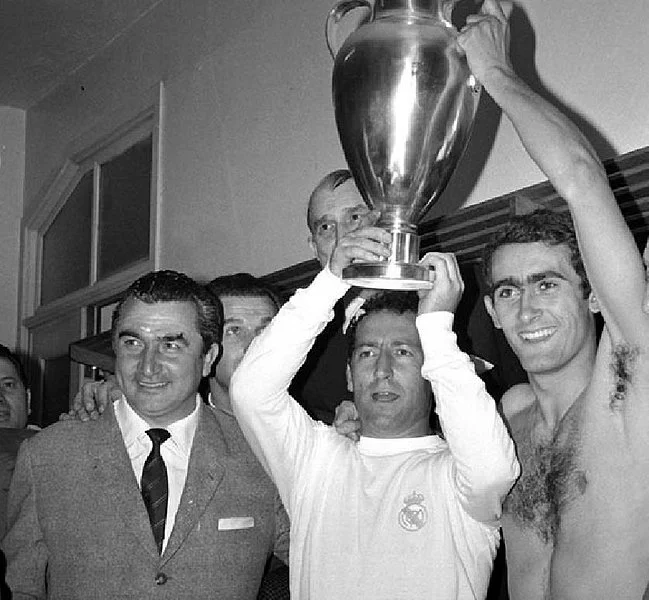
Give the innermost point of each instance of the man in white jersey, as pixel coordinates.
(576, 525)
(403, 513)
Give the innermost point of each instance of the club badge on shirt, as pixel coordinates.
(413, 516)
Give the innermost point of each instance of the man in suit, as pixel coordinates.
(79, 524)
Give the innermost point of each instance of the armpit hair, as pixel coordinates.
(622, 364)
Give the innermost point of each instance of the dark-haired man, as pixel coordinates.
(249, 304)
(576, 524)
(14, 410)
(155, 499)
(403, 514)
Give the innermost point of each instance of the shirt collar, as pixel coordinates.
(134, 427)
(386, 447)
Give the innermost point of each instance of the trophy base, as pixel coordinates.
(388, 276)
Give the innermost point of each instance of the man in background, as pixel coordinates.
(14, 410)
(335, 208)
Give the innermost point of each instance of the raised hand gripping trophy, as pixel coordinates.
(405, 101)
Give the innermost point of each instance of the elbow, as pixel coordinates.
(580, 177)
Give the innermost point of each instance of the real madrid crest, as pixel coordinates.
(413, 516)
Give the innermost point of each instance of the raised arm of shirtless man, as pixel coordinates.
(576, 524)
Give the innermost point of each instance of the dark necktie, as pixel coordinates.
(154, 486)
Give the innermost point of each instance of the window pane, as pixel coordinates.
(66, 245)
(124, 209)
(56, 389)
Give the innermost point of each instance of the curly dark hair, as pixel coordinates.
(542, 225)
(171, 286)
(398, 302)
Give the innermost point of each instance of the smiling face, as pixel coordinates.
(14, 398)
(384, 373)
(332, 214)
(539, 304)
(159, 359)
(244, 318)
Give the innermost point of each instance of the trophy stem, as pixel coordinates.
(400, 271)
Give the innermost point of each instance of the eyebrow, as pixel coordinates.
(170, 337)
(532, 278)
(412, 344)
(229, 320)
(351, 209)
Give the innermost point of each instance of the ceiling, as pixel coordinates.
(43, 41)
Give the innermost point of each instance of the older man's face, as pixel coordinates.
(14, 398)
(160, 360)
(333, 214)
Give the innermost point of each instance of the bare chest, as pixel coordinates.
(552, 477)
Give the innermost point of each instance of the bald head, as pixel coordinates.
(335, 208)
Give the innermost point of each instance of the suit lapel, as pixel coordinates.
(204, 475)
(115, 481)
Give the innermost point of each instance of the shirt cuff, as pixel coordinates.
(438, 340)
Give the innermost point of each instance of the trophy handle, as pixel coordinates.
(445, 11)
(336, 15)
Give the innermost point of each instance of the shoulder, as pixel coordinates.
(65, 438)
(515, 401)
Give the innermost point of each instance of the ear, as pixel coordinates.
(489, 305)
(350, 383)
(210, 358)
(593, 303)
(313, 246)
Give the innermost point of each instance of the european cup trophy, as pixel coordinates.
(404, 102)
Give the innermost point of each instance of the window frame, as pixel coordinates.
(113, 135)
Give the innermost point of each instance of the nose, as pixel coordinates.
(149, 360)
(529, 306)
(247, 340)
(383, 366)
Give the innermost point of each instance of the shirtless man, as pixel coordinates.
(576, 524)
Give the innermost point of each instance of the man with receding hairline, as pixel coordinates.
(335, 208)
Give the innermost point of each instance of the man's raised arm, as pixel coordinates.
(483, 452)
(560, 150)
(276, 426)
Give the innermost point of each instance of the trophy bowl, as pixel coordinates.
(404, 102)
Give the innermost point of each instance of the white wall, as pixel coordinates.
(12, 175)
(248, 125)
(592, 55)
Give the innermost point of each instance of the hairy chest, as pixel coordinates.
(552, 477)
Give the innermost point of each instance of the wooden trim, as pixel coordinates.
(466, 231)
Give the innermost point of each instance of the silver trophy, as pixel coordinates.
(404, 101)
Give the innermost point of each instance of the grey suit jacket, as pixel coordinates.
(78, 527)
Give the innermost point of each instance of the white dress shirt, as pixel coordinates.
(175, 452)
